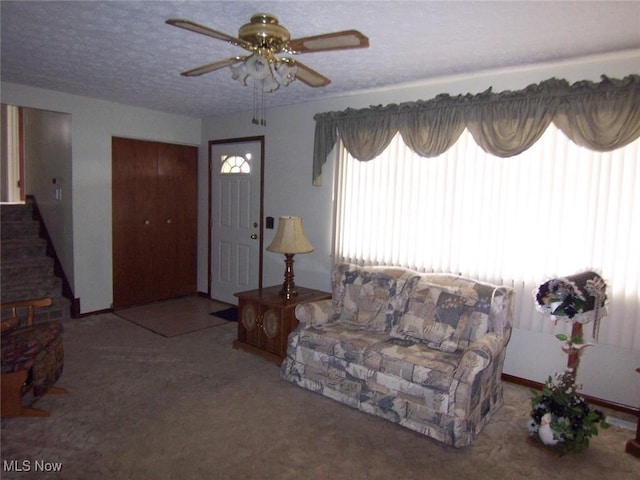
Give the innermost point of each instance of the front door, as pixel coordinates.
(236, 217)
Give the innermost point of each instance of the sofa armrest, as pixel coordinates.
(478, 356)
(316, 313)
(502, 308)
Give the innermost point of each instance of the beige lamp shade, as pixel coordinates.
(290, 237)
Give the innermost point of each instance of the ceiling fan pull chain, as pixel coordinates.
(255, 102)
(263, 120)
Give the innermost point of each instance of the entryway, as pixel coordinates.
(235, 216)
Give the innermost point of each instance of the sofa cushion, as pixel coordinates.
(446, 317)
(414, 362)
(367, 300)
(340, 341)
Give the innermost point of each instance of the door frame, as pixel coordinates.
(260, 139)
(21, 154)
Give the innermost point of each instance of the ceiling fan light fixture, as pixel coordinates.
(286, 72)
(265, 38)
(258, 66)
(239, 72)
(269, 83)
(267, 73)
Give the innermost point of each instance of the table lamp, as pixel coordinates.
(289, 240)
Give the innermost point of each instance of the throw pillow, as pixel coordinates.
(367, 300)
(440, 317)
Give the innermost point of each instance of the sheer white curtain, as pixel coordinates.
(554, 210)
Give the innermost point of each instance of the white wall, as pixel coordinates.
(606, 372)
(94, 122)
(47, 157)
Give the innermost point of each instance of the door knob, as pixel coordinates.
(168, 220)
(254, 236)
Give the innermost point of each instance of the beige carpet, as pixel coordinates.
(180, 316)
(142, 406)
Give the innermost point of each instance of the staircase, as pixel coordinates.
(27, 270)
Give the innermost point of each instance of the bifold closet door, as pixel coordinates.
(177, 219)
(154, 195)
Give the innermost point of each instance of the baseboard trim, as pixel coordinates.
(95, 312)
(619, 407)
(75, 308)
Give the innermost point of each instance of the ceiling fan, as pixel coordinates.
(265, 38)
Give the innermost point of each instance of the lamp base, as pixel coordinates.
(289, 286)
(288, 291)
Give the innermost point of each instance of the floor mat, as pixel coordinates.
(228, 314)
(172, 318)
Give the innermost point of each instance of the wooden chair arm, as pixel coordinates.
(14, 321)
(9, 324)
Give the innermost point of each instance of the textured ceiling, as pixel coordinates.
(124, 52)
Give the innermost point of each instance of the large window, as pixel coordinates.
(555, 210)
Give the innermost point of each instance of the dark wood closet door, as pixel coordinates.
(133, 195)
(177, 223)
(154, 197)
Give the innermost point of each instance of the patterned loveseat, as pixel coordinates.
(422, 350)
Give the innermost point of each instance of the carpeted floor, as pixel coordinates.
(142, 406)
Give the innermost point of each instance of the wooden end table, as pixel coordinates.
(265, 320)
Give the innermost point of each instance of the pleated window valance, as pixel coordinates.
(601, 116)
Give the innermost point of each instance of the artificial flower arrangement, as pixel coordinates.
(560, 417)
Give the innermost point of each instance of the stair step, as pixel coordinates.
(23, 248)
(27, 263)
(12, 230)
(27, 271)
(43, 287)
(17, 211)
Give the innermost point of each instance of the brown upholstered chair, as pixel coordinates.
(32, 358)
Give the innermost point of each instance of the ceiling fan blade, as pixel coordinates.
(309, 76)
(329, 41)
(210, 67)
(210, 32)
